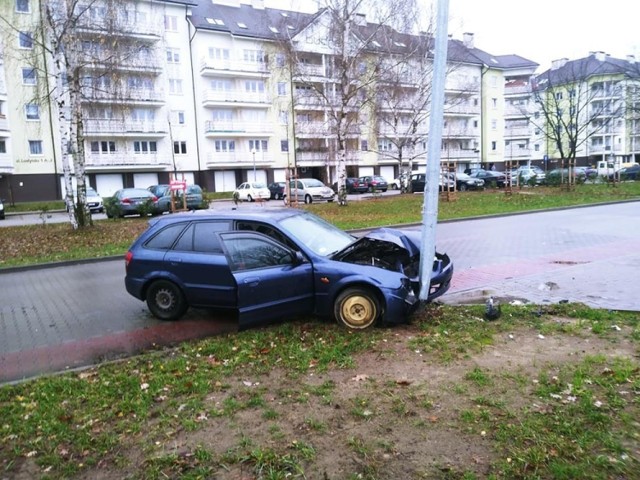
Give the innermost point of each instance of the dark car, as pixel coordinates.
(277, 190)
(418, 182)
(374, 183)
(352, 185)
(465, 182)
(133, 201)
(163, 192)
(629, 173)
(491, 178)
(1, 209)
(267, 265)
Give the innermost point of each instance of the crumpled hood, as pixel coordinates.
(408, 240)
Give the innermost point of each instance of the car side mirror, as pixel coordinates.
(298, 258)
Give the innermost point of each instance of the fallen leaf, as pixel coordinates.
(360, 377)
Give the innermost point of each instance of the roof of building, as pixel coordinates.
(596, 63)
(274, 24)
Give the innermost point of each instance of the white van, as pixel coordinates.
(607, 167)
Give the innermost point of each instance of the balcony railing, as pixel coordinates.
(311, 70)
(237, 126)
(602, 149)
(516, 110)
(240, 158)
(120, 27)
(236, 96)
(128, 159)
(141, 95)
(6, 163)
(517, 131)
(462, 109)
(231, 66)
(111, 126)
(4, 123)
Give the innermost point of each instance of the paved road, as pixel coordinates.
(70, 316)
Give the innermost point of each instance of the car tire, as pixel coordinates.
(356, 308)
(277, 196)
(165, 300)
(308, 199)
(463, 187)
(249, 198)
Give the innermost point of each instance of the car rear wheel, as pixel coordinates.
(308, 199)
(165, 300)
(463, 187)
(249, 198)
(356, 308)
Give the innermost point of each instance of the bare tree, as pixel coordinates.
(82, 47)
(573, 104)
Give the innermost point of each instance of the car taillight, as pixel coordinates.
(127, 258)
(154, 199)
(126, 200)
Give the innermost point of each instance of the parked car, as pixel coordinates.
(134, 201)
(400, 181)
(352, 185)
(252, 191)
(561, 175)
(310, 190)
(418, 182)
(278, 263)
(490, 177)
(277, 190)
(630, 173)
(2, 209)
(94, 200)
(465, 182)
(195, 197)
(374, 183)
(526, 174)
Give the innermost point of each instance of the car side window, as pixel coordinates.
(201, 237)
(166, 237)
(267, 230)
(248, 253)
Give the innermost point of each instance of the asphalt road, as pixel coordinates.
(70, 316)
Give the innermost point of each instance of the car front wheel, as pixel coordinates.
(165, 300)
(308, 199)
(356, 308)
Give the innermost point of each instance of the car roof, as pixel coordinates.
(250, 213)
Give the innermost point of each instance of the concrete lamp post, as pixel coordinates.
(253, 152)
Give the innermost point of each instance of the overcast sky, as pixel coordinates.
(540, 30)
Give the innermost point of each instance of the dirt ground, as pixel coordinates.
(396, 415)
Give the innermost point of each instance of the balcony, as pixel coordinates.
(134, 63)
(516, 110)
(517, 153)
(127, 160)
(459, 132)
(462, 109)
(111, 127)
(234, 68)
(310, 70)
(604, 149)
(212, 98)
(447, 154)
(517, 131)
(238, 159)
(236, 128)
(121, 27)
(4, 123)
(140, 96)
(322, 129)
(517, 90)
(6, 163)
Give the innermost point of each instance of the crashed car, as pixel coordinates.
(265, 266)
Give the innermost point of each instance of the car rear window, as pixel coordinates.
(201, 237)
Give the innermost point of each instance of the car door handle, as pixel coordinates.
(175, 260)
(252, 281)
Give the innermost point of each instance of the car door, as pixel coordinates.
(197, 261)
(272, 281)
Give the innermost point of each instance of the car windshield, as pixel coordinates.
(258, 185)
(313, 183)
(316, 234)
(91, 192)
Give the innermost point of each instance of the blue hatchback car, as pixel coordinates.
(269, 265)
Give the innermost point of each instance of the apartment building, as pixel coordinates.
(596, 97)
(208, 91)
(137, 98)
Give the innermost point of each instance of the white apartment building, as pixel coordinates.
(203, 93)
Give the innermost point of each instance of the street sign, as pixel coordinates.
(175, 185)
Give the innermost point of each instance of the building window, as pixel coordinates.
(254, 56)
(284, 145)
(254, 86)
(558, 95)
(280, 60)
(25, 40)
(29, 76)
(3, 146)
(35, 147)
(171, 23)
(103, 147)
(32, 111)
(225, 146)
(145, 147)
(364, 145)
(175, 86)
(536, 147)
(179, 117)
(219, 53)
(258, 145)
(22, 6)
(494, 124)
(494, 146)
(173, 55)
(282, 88)
(494, 102)
(180, 148)
(475, 124)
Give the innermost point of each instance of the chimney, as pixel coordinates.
(467, 40)
(556, 64)
(600, 56)
(361, 19)
(631, 59)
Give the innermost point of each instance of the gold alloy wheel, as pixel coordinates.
(358, 311)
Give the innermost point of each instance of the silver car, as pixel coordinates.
(309, 190)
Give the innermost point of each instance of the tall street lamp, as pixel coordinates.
(253, 151)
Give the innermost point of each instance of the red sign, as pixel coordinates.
(175, 185)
